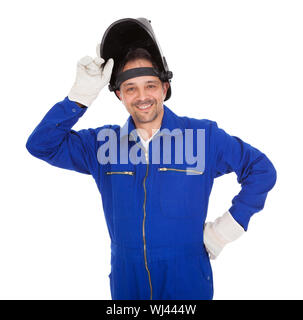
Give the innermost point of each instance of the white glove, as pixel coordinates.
(217, 234)
(90, 78)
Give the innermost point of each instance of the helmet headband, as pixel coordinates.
(138, 72)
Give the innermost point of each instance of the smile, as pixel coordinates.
(145, 107)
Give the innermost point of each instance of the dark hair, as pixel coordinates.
(135, 54)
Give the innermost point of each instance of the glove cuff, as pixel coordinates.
(217, 234)
(227, 228)
(86, 100)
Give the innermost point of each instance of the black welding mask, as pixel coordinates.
(128, 34)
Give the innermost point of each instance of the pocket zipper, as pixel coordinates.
(131, 173)
(180, 170)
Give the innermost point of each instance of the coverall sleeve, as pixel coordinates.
(254, 171)
(54, 142)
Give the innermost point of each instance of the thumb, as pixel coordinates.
(98, 50)
(108, 68)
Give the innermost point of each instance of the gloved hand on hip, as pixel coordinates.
(217, 234)
(92, 76)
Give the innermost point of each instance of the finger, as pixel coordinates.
(98, 61)
(98, 50)
(93, 69)
(95, 65)
(85, 61)
(94, 72)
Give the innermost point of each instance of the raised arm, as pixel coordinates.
(53, 140)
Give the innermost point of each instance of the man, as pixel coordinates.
(154, 196)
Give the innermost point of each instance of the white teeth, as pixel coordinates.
(145, 107)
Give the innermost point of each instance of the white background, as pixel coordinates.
(235, 62)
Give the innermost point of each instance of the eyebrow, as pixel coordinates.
(132, 83)
(128, 84)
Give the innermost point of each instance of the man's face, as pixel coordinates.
(143, 96)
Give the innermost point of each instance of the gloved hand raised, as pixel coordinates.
(92, 76)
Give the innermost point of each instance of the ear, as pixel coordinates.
(165, 88)
(118, 93)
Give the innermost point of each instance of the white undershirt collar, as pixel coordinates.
(145, 143)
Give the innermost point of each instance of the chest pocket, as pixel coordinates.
(122, 182)
(181, 192)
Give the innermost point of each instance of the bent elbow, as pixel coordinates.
(36, 148)
(271, 174)
(30, 146)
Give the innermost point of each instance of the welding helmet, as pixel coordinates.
(128, 34)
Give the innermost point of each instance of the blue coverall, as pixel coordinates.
(155, 216)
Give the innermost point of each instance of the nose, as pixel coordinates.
(141, 94)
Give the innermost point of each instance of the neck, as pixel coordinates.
(146, 134)
(146, 130)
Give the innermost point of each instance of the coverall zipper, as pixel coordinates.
(181, 170)
(143, 224)
(143, 227)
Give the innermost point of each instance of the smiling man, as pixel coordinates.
(142, 96)
(155, 208)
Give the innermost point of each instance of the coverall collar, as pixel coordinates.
(170, 121)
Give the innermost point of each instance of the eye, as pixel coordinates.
(151, 86)
(130, 89)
